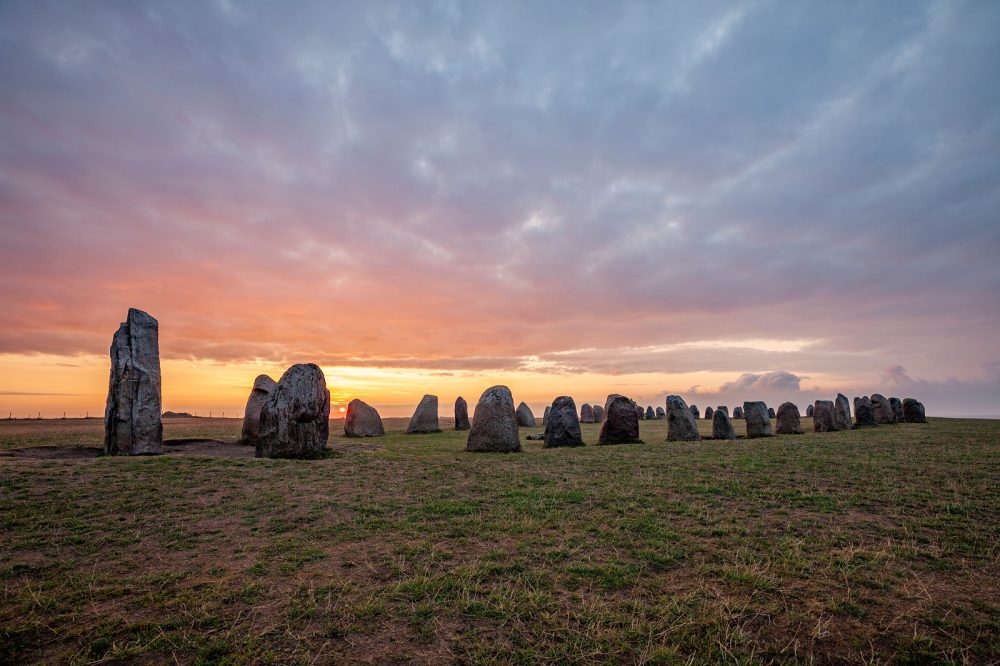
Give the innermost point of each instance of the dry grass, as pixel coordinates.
(864, 546)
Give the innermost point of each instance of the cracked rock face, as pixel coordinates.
(562, 428)
(295, 420)
(788, 419)
(132, 424)
(425, 417)
(494, 425)
(262, 387)
(681, 423)
(461, 414)
(362, 420)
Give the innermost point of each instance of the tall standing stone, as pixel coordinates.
(681, 424)
(132, 424)
(562, 428)
(650, 414)
(640, 413)
(809, 410)
(607, 402)
(695, 411)
(897, 409)
(525, 419)
(586, 413)
(724, 409)
(660, 414)
(823, 416)
(738, 412)
(883, 410)
(262, 387)
(788, 420)
(842, 412)
(709, 413)
(913, 411)
(494, 425)
(461, 414)
(722, 427)
(425, 417)
(758, 421)
(864, 415)
(621, 422)
(362, 420)
(598, 414)
(545, 414)
(295, 420)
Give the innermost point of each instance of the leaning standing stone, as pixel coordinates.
(738, 413)
(132, 425)
(758, 422)
(882, 409)
(598, 414)
(681, 424)
(562, 428)
(621, 423)
(823, 416)
(722, 427)
(295, 420)
(262, 387)
(864, 415)
(362, 420)
(494, 426)
(913, 411)
(461, 414)
(842, 412)
(586, 413)
(788, 420)
(425, 418)
(897, 409)
(525, 419)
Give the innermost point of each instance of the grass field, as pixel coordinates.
(870, 546)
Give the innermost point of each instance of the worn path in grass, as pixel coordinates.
(873, 545)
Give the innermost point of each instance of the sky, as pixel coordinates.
(724, 200)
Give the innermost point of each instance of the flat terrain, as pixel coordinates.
(871, 546)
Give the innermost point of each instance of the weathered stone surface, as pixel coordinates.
(525, 419)
(725, 410)
(545, 414)
(897, 409)
(607, 402)
(758, 421)
(461, 414)
(562, 427)
(650, 414)
(598, 414)
(681, 424)
(494, 425)
(262, 387)
(882, 409)
(695, 411)
(586, 413)
(362, 420)
(770, 412)
(132, 424)
(864, 415)
(913, 411)
(722, 427)
(621, 422)
(640, 413)
(842, 412)
(788, 420)
(295, 420)
(809, 410)
(823, 416)
(425, 417)
(709, 413)
(660, 414)
(738, 413)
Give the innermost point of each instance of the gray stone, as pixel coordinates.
(425, 417)
(788, 421)
(262, 387)
(897, 409)
(842, 412)
(738, 413)
(758, 422)
(562, 427)
(650, 414)
(621, 423)
(598, 414)
(545, 414)
(607, 402)
(461, 414)
(295, 420)
(362, 420)
(864, 415)
(770, 412)
(586, 413)
(882, 409)
(725, 410)
(809, 410)
(132, 424)
(494, 425)
(823, 416)
(660, 414)
(709, 413)
(695, 411)
(913, 411)
(722, 427)
(681, 424)
(640, 413)
(525, 419)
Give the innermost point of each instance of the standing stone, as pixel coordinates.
(494, 425)
(562, 428)
(660, 414)
(883, 410)
(425, 418)
(897, 409)
(681, 424)
(525, 419)
(545, 414)
(132, 425)
(607, 402)
(842, 412)
(788, 420)
(598, 414)
(913, 411)
(809, 410)
(725, 410)
(621, 423)
(362, 420)
(722, 427)
(461, 414)
(640, 413)
(823, 416)
(262, 387)
(770, 412)
(586, 413)
(709, 414)
(738, 412)
(864, 415)
(650, 414)
(758, 422)
(696, 411)
(295, 420)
